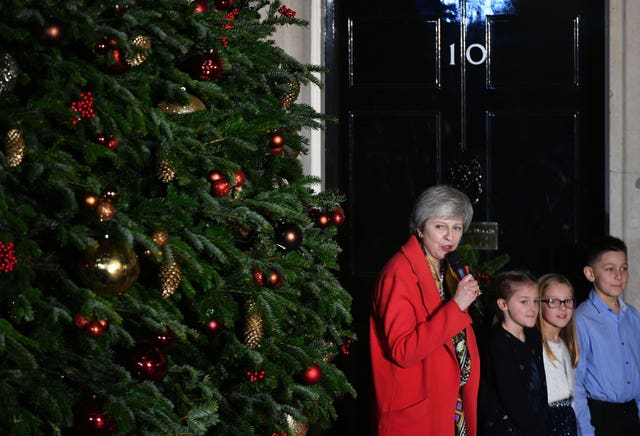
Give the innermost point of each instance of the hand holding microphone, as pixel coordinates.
(468, 288)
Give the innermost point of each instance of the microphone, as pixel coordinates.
(457, 265)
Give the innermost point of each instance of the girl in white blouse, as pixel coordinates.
(560, 350)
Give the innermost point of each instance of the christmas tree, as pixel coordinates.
(166, 267)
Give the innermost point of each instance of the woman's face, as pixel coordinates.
(558, 317)
(441, 235)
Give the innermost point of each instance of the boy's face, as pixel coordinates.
(609, 274)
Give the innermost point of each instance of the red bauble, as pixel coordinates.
(239, 177)
(112, 58)
(223, 5)
(96, 328)
(312, 375)
(52, 33)
(276, 143)
(220, 188)
(323, 220)
(150, 364)
(80, 321)
(201, 5)
(215, 175)
(105, 45)
(258, 278)
(90, 419)
(211, 67)
(288, 236)
(114, 62)
(213, 326)
(337, 216)
(273, 280)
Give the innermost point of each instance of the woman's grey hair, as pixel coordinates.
(440, 201)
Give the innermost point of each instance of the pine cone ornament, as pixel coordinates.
(170, 276)
(15, 147)
(253, 325)
(166, 173)
(142, 47)
(290, 97)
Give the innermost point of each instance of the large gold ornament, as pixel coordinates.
(194, 105)
(109, 268)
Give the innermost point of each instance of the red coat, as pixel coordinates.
(416, 374)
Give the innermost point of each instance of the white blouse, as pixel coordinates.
(559, 373)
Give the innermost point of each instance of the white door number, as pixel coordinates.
(472, 58)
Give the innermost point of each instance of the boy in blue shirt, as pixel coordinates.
(607, 391)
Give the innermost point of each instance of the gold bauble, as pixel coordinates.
(160, 237)
(105, 210)
(170, 276)
(142, 47)
(194, 105)
(15, 147)
(109, 268)
(253, 325)
(297, 428)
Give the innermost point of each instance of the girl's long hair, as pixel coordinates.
(567, 333)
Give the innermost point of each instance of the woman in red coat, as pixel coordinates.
(424, 354)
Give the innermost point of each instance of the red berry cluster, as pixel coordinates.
(231, 15)
(254, 376)
(344, 348)
(484, 279)
(289, 13)
(83, 107)
(7, 257)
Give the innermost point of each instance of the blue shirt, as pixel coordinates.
(609, 365)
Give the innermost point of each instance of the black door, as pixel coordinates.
(504, 99)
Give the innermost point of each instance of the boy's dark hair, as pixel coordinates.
(598, 246)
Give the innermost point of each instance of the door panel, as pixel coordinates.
(395, 153)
